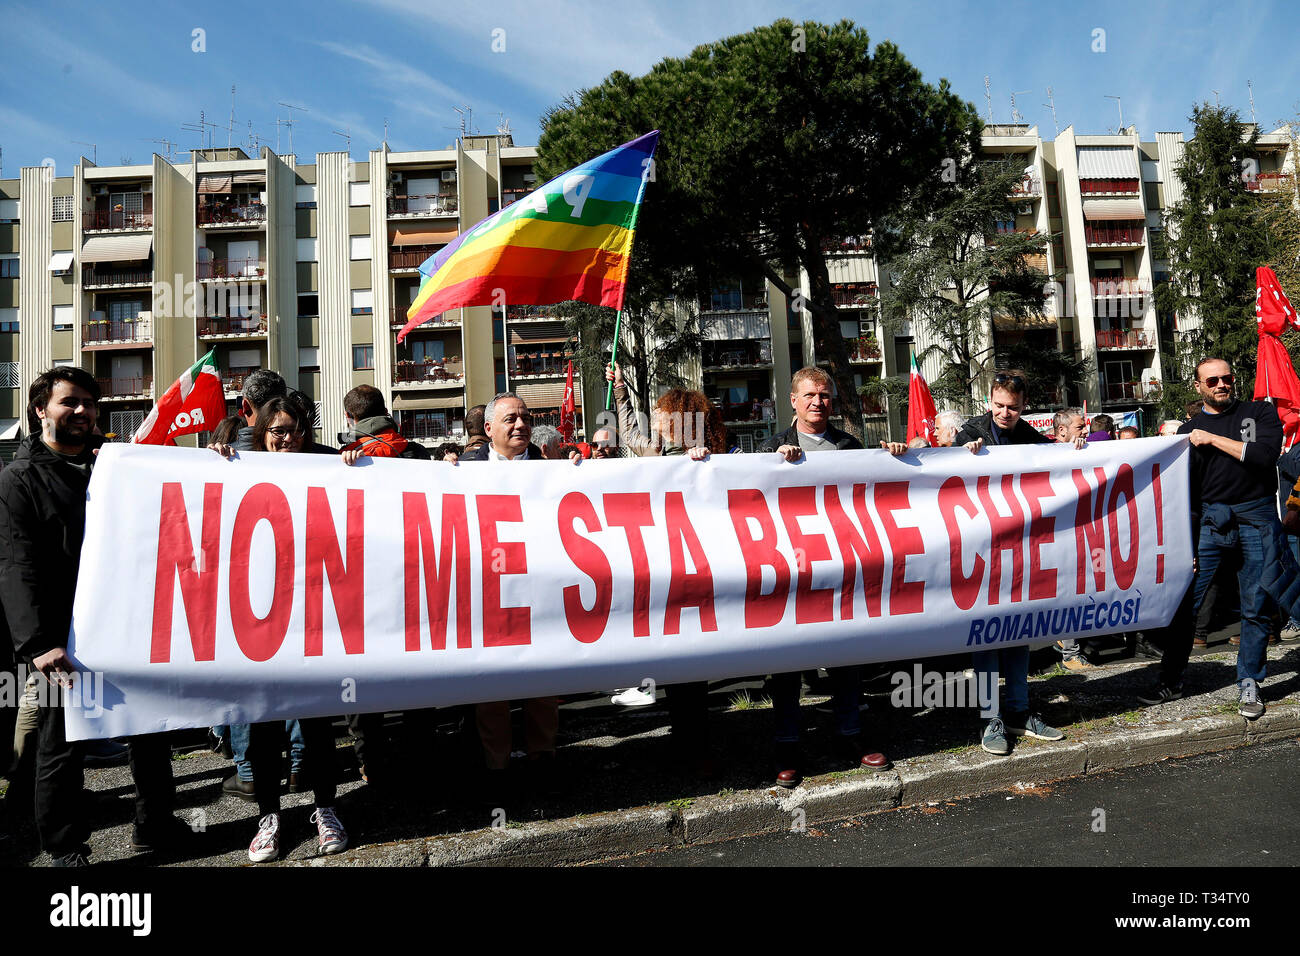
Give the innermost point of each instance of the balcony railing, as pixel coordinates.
(861, 350)
(855, 298)
(847, 244)
(409, 258)
(108, 330)
(232, 269)
(1109, 187)
(1120, 235)
(737, 354)
(231, 325)
(125, 387)
(411, 373)
(520, 313)
(1122, 339)
(1131, 391)
(92, 276)
(117, 219)
(1030, 187)
(427, 205)
(1118, 287)
(232, 379)
(546, 363)
(426, 429)
(735, 302)
(514, 195)
(753, 410)
(450, 319)
(231, 214)
(1269, 182)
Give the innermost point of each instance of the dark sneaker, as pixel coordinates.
(995, 738)
(1251, 706)
(1031, 725)
(1161, 695)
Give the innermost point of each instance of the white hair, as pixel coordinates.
(489, 413)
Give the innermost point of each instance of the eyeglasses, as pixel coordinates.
(1213, 380)
(1015, 381)
(279, 434)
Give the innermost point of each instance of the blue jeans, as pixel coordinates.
(239, 748)
(846, 694)
(1013, 664)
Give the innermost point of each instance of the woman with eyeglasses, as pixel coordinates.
(283, 425)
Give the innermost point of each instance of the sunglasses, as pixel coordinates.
(1213, 380)
(1002, 378)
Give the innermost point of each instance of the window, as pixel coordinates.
(358, 247)
(65, 207)
(9, 319)
(309, 358)
(124, 311)
(363, 302)
(307, 250)
(8, 375)
(9, 210)
(8, 267)
(309, 304)
(63, 316)
(125, 424)
(358, 194)
(305, 196)
(430, 350)
(363, 357)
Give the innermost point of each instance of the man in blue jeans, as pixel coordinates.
(1235, 447)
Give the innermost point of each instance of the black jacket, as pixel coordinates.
(843, 440)
(42, 522)
(982, 427)
(484, 453)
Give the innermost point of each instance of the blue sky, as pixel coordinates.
(121, 74)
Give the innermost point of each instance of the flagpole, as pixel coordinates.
(609, 392)
(618, 316)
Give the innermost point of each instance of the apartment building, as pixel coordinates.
(133, 272)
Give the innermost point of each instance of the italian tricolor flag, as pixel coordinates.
(196, 402)
(920, 408)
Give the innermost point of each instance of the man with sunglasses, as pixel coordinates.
(1235, 447)
(1002, 425)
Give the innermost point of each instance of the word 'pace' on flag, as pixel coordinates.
(278, 586)
(196, 402)
(570, 238)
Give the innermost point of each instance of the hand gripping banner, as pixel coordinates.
(279, 586)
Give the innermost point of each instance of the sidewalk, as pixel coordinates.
(621, 792)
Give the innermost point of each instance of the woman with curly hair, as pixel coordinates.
(682, 422)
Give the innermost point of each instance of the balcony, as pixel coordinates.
(137, 220)
(865, 294)
(117, 332)
(735, 301)
(1270, 183)
(531, 313)
(230, 327)
(755, 410)
(1127, 234)
(442, 204)
(125, 388)
(1118, 288)
(1130, 392)
(430, 429)
(93, 277)
(232, 215)
(429, 373)
(447, 320)
(230, 270)
(542, 365)
(232, 380)
(509, 196)
(863, 350)
(734, 354)
(408, 259)
(1123, 339)
(1110, 187)
(849, 245)
(1030, 187)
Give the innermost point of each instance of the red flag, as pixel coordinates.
(196, 402)
(1275, 376)
(920, 408)
(568, 409)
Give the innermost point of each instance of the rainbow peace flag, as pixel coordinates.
(568, 239)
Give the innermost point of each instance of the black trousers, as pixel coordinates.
(266, 743)
(61, 812)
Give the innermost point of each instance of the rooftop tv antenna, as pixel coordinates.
(165, 142)
(504, 126)
(1251, 90)
(347, 135)
(385, 130)
(230, 129)
(94, 150)
(288, 124)
(988, 96)
(1216, 98)
(1051, 105)
(466, 115)
(1016, 115)
(1120, 103)
(204, 129)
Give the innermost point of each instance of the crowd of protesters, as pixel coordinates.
(1238, 490)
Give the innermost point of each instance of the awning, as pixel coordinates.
(258, 177)
(423, 237)
(215, 184)
(549, 338)
(403, 403)
(61, 262)
(1108, 162)
(545, 394)
(1006, 323)
(8, 429)
(1131, 209)
(116, 248)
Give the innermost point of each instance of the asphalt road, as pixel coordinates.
(1232, 809)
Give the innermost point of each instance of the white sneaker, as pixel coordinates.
(633, 697)
(266, 845)
(333, 838)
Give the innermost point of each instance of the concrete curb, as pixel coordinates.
(921, 780)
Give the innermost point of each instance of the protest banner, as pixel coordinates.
(279, 586)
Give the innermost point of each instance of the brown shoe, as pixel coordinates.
(1198, 641)
(1235, 640)
(1077, 664)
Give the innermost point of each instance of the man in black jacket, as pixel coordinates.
(42, 522)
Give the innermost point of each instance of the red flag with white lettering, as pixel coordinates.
(1275, 376)
(569, 409)
(920, 408)
(196, 402)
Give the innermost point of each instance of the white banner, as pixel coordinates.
(279, 586)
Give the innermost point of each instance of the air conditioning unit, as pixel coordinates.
(100, 191)
(449, 175)
(394, 177)
(147, 188)
(1025, 209)
(530, 177)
